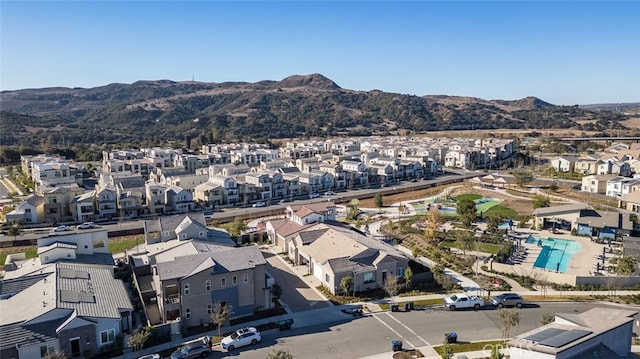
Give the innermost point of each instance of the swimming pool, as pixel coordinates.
(555, 254)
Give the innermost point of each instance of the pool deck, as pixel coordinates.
(583, 262)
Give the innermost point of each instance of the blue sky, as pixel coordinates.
(569, 53)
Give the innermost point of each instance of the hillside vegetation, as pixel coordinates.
(152, 112)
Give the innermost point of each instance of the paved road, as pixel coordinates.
(356, 338)
(296, 294)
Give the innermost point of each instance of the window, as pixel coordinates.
(187, 313)
(184, 236)
(207, 285)
(47, 349)
(186, 289)
(369, 277)
(108, 336)
(400, 271)
(223, 282)
(209, 308)
(246, 277)
(234, 280)
(326, 277)
(27, 210)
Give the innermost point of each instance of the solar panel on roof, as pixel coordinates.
(565, 338)
(544, 334)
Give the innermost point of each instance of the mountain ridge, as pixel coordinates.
(296, 106)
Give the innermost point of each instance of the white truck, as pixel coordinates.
(461, 301)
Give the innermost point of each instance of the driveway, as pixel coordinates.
(297, 296)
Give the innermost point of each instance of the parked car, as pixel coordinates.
(150, 356)
(259, 204)
(86, 225)
(240, 338)
(61, 229)
(195, 349)
(329, 193)
(284, 200)
(507, 299)
(461, 301)
(314, 195)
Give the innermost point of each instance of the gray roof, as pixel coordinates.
(17, 285)
(307, 237)
(170, 223)
(19, 334)
(220, 259)
(344, 265)
(567, 208)
(91, 290)
(602, 219)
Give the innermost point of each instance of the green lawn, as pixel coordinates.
(471, 196)
(505, 212)
(119, 247)
(483, 207)
(482, 247)
(30, 253)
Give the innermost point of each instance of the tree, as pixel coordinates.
(279, 354)
(626, 265)
(541, 201)
(346, 283)
(415, 251)
(276, 293)
(220, 315)
(391, 285)
(236, 227)
(509, 318)
(14, 230)
(408, 275)
(466, 209)
(493, 222)
(496, 353)
(446, 351)
(522, 177)
(432, 224)
(466, 239)
(547, 318)
(139, 337)
(377, 199)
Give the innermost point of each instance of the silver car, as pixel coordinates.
(507, 300)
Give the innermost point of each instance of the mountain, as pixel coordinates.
(153, 112)
(629, 108)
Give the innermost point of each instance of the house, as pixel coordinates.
(178, 200)
(597, 333)
(618, 186)
(189, 277)
(564, 163)
(65, 300)
(106, 201)
(586, 166)
(297, 218)
(332, 251)
(184, 227)
(630, 201)
(82, 207)
(595, 183)
(30, 211)
(208, 193)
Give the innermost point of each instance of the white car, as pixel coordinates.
(240, 338)
(329, 193)
(314, 195)
(61, 229)
(150, 356)
(86, 225)
(259, 204)
(462, 301)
